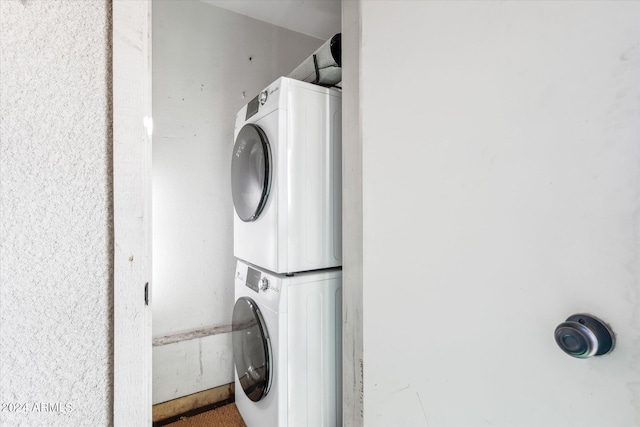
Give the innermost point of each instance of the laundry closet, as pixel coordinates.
(208, 62)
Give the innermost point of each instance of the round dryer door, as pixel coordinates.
(251, 349)
(250, 172)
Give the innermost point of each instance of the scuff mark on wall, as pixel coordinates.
(629, 53)
(426, 421)
(402, 388)
(200, 356)
(361, 389)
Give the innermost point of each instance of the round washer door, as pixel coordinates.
(251, 349)
(250, 172)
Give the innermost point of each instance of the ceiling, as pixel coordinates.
(316, 18)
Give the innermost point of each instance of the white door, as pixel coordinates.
(500, 192)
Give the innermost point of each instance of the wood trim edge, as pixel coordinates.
(190, 335)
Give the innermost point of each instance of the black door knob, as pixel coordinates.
(583, 336)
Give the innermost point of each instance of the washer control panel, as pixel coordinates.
(253, 279)
(257, 281)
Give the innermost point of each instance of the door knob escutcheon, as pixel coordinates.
(584, 336)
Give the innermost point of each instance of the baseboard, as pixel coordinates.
(204, 399)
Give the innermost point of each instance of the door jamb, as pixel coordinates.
(132, 373)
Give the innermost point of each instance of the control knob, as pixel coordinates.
(263, 97)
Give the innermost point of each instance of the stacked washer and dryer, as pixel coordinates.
(286, 187)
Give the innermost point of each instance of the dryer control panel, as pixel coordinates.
(261, 99)
(252, 107)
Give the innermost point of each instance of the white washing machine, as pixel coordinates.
(287, 347)
(286, 178)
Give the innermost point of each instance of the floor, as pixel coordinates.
(224, 416)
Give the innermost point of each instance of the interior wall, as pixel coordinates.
(207, 63)
(501, 194)
(56, 252)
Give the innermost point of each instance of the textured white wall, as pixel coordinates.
(55, 209)
(204, 59)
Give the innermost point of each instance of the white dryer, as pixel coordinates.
(286, 178)
(287, 347)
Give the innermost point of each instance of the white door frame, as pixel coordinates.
(132, 212)
(132, 338)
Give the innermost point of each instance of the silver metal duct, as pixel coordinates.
(323, 67)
